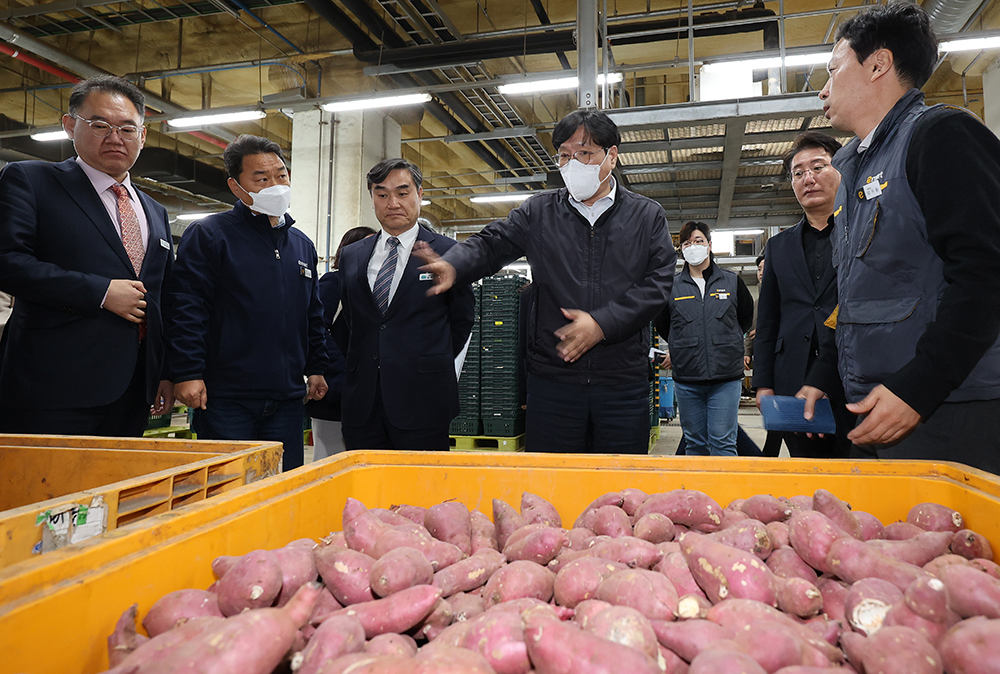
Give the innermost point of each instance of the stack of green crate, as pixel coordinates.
(499, 383)
(468, 422)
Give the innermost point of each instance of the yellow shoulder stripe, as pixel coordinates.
(837, 212)
(686, 297)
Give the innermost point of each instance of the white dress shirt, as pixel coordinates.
(381, 251)
(102, 183)
(593, 213)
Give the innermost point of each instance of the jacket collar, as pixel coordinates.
(911, 99)
(259, 220)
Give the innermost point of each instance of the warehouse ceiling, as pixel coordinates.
(715, 161)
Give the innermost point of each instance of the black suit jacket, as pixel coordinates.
(59, 250)
(412, 348)
(790, 308)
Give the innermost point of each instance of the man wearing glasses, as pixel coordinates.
(86, 256)
(602, 265)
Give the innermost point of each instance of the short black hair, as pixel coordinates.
(245, 146)
(382, 170)
(902, 28)
(352, 235)
(108, 84)
(689, 228)
(808, 140)
(760, 258)
(597, 127)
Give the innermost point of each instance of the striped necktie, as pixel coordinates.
(383, 282)
(131, 234)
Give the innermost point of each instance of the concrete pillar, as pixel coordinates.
(331, 153)
(991, 97)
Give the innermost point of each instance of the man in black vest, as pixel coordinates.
(917, 239)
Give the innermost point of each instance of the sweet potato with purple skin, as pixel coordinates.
(800, 502)
(466, 606)
(450, 522)
(254, 581)
(625, 626)
(931, 601)
(675, 567)
(722, 571)
(867, 603)
(971, 545)
(298, 567)
(369, 663)
(448, 661)
(749, 535)
(579, 539)
(655, 528)
(325, 605)
(687, 507)
(413, 513)
(871, 527)
(628, 550)
(506, 521)
(970, 647)
(145, 651)
(900, 531)
(691, 606)
(440, 617)
(176, 608)
(838, 511)
(390, 517)
(363, 532)
(529, 605)
(222, 564)
(834, 596)
(578, 580)
(540, 546)
(853, 644)
(632, 498)
(670, 662)
(935, 517)
(347, 574)
(971, 592)
(517, 580)
(732, 518)
(470, 573)
(648, 592)
(851, 560)
(124, 640)
(615, 498)
(441, 555)
(688, 638)
(484, 534)
(934, 566)
(786, 563)
(900, 650)
(779, 534)
(811, 534)
(499, 637)
(587, 609)
(766, 508)
(737, 614)
(399, 569)
(918, 550)
(391, 644)
(773, 645)
(714, 661)
(799, 597)
(396, 613)
(556, 647)
(352, 508)
(334, 638)
(987, 566)
(536, 510)
(611, 521)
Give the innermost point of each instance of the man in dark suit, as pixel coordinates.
(401, 390)
(85, 255)
(798, 292)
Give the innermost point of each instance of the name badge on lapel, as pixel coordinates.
(872, 190)
(164, 244)
(304, 269)
(426, 276)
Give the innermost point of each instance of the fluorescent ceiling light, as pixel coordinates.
(791, 61)
(496, 198)
(221, 118)
(746, 232)
(380, 102)
(46, 136)
(425, 202)
(195, 216)
(558, 84)
(970, 44)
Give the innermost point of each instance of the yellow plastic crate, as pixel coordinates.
(90, 585)
(57, 490)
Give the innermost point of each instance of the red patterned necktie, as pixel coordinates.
(131, 234)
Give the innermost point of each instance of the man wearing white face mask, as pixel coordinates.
(602, 264)
(710, 310)
(246, 334)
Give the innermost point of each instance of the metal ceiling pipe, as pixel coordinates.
(38, 63)
(949, 16)
(543, 18)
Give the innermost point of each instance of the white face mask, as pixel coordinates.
(582, 180)
(273, 200)
(695, 255)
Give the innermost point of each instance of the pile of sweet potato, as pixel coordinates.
(661, 583)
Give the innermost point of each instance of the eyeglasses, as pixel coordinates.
(800, 174)
(694, 242)
(582, 156)
(127, 132)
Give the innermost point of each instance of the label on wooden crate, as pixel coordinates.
(71, 523)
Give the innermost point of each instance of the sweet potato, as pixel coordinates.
(506, 521)
(675, 567)
(918, 550)
(688, 638)
(579, 579)
(579, 539)
(779, 534)
(222, 564)
(834, 596)
(556, 647)
(670, 663)
(851, 560)
(517, 580)
(352, 508)
(470, 573)
(536, 510)
(347, 574)
(632, 498)
(691, 606)
(466, 606)
(390, 517)
(298, 567)
(176, 608)
(450, 522)
(749, 535)
(987, 566)
(413, 513)
(722, 571)
(970, 647)
(499, 638)
(254, 581)
(396, 613)
(540, 546)
(587, 609)
(648, 592)
(971, 545)
(738, 614)
(732, 517)
(448, 661)
(971, 592)
(811, 534)
(625, 626)
(134, 654)
(124, 640)
(615, 498)
(773, 645)
(399, 569)
(871, 527)
(484, 534)
(766, 508)
(867, 603)
(441, 616)
(364, 531)
(655, 528)
(786, 563)
(800, 502)
(391, 644)
(932, 630)
(934, 566)
(440, 554)
(628, 550)
(688, 507)
(335, 637)
(900, 650)
(611, 521)
(370, 663)
(900, 531)
(935, 517)
(799, 597)
(325, 605)
(838, 511)
(714, 661)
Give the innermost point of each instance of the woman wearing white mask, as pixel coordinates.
(710, 310)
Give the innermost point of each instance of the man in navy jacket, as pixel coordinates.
(401, 390)
(246, 323)
(83, 350)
